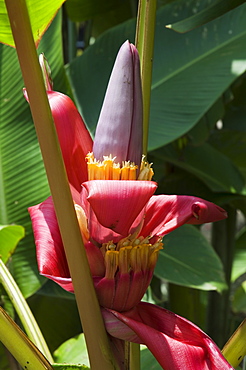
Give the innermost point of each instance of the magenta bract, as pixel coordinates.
(175, 342)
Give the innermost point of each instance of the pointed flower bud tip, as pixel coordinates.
(119, 130)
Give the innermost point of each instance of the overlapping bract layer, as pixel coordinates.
(175, 342)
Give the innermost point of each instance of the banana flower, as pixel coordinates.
(122, 222)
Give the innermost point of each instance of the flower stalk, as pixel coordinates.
(20, 346)
(144, 41)
(234, 350)
(97, 342)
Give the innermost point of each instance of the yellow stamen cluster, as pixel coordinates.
(146, 171)
(108, 169)
(130, 255)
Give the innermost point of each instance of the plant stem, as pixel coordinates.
(96, 337)
(134, 356)
(223, 240)
(244, 363)
(20, 346)
(186, 302)
(234, 350)
(145, 34)
(27, 319)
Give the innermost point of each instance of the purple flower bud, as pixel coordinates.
(120, 126)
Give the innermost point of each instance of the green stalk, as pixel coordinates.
(96, 337)
(134, 356)
(145, 34)
(186, 302)
(235, 349)
(223, 240)
(24, 351)
(23, 311)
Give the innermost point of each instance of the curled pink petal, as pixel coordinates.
(175, 342)
(116, 204)
(50, 252)
(204, 211)
(74, 138)
(164, 213)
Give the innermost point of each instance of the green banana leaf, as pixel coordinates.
(57, 317)
(10, 235)
(22, 176)
(73, 351)
(212, 11)
(80, 10)
(211, 166)
(233, 144)
(190, 71)
(189, 260)
(41, 14)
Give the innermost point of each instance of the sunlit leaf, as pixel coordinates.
(41, 14)
(10, 236)
(73, 351)
(239, 264)
(239, 299)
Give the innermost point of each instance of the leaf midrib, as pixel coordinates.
(198, 59)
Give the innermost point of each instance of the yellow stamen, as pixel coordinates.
(108, 169)
(155, 248)
(124, 260)
(153, 258)
(111, 263)
(133, 254)
(146, 171)
(135, 260)
(133, 172)
(116, 171)
(144, 255)
(125, 171)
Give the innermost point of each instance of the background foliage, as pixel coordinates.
(197, 142)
